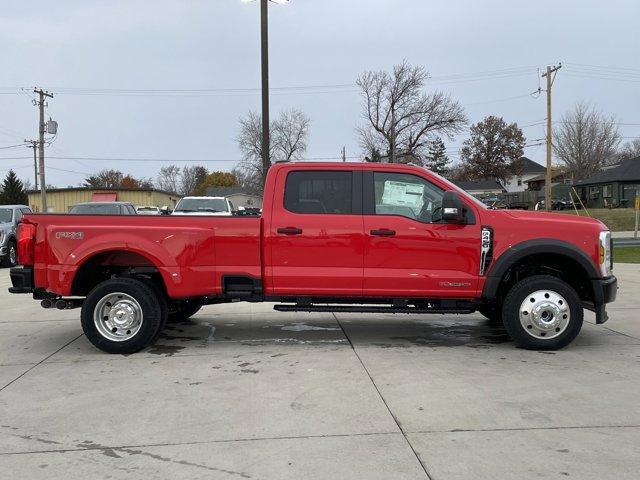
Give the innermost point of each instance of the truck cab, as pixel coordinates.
(355, 237)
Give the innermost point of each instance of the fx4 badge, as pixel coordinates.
(70, 235)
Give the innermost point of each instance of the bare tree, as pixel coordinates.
(169, 178)
(289, 134)
(248, 181)
(288, 141)
(586, 140)
(401, 117)
(191, 178)
(629, 150)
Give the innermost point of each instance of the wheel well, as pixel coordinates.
(111, 264)
(554, 264)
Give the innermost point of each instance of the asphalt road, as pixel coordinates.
(245, 392)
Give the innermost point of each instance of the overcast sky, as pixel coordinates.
(214, 45)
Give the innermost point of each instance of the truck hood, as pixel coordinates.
(545, 218)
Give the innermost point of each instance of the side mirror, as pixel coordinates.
(164, 210)
(453, 208)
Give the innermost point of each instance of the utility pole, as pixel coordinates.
(264, 37)
(547, 189)
(344, 154)
(34, 144)
(41, 103)
(393, 135)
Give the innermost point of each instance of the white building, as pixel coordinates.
(530, 169)
(238, 196)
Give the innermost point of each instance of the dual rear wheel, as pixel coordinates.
(125, 315)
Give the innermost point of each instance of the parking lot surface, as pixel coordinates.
(242, 391)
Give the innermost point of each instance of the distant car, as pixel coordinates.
(556, 204)
(144, 210)
(10, 215)
(103, 208)
(219, 206)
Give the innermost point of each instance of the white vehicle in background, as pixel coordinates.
(148, 210)
(219, 206)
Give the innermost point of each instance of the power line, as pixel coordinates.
(165, 160)
(13, 146)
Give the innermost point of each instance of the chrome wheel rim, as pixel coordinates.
(544, 314)
(118, 317)
(13, 256)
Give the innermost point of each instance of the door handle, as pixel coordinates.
(289, 231)
(385, 232)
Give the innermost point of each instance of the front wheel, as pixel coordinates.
(542, 313)
(122, 315)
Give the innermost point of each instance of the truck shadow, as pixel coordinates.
(385, 331)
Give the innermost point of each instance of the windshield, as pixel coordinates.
(104, 209)
(6, 215)
(202, 205)
(148, 209)
(460, 190)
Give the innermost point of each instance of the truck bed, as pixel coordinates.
(192, 253)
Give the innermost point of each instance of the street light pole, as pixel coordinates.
(264, 40)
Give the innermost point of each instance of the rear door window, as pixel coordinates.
(319, 192)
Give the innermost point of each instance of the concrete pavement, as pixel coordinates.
(245, 392)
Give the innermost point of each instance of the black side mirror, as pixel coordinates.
(453, 208)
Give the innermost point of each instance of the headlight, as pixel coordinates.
(606, 260)
(2, 235)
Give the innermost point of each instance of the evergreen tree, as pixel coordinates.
(13, 192)
(493, 150)
(437, 160)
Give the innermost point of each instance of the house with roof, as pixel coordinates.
(614, 186)
(528, 170)
(481, 188)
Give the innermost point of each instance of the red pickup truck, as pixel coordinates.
(335, 237)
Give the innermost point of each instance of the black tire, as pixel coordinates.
(11, 258)
(184, 311)
(149, 302)
(534, 287)
(162, 302)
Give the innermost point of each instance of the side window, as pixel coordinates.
(17, 216)
(408, 196)
(319, 192)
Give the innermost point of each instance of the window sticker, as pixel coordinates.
(403, 194)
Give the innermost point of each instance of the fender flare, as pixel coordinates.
(532, 247)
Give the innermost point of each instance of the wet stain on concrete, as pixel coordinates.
(114, 451)
(249, 370)
(167, 350)
(473, 336)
